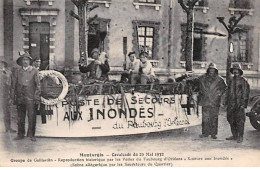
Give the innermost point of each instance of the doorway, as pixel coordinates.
(39, 42)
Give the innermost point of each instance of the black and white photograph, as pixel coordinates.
(129, 83)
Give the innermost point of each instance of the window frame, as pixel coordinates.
(236, 9)
(145, 36)
(156, 41)
(202, 27)
(249, 44)
(146, 1)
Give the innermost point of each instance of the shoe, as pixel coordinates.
(203, 136)
(231, 138)
(19, 138)
(11, 131)
(213, 136)
(33, 139)
(240, 140)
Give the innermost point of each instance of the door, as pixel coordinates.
(39, 35)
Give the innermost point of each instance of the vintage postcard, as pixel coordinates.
(130, 83)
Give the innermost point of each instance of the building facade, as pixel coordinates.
(45, 28)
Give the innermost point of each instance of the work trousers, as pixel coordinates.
(22, 109)
(210, 120)
(236, 118)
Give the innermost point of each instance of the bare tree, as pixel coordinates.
(189, 9)
(231, 28)
(83, 17)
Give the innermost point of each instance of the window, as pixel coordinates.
(199, 41)
(237, 6)
(156, 4)
(241, 47)
(145, 39)
(147, 1)
(98, 35)
(200, 3)
(197, 46)
(242, 4)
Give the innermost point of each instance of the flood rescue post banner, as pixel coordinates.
(107, 115)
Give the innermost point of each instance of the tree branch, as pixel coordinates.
(72, 13)
(75, 2)
(240, 17)
(183, 5)
(92, 19)
(92, 7)
(221, 20)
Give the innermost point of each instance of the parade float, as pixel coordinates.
(110, 108)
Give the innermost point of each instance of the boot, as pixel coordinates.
(240, 139)
(213, 136)
(33, 138)
(19, 138)
(203, 136)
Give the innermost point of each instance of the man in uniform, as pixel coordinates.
(26, 93)
(5, 95)
(237, 101)
(211, 88)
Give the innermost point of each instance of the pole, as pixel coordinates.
(170, 35)
(189, 39)
(82, 30)
(125, 50)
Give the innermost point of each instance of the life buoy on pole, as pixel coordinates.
(59, 78)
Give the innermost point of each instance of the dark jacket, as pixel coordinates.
(26, 85)
(6, 82)
(92, 69)
(238, 93)
(211, 90)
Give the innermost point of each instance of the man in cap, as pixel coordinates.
(132, 68)
(26, 93)
(5, 75)
(237, 101)
(146, 72)
(211, 87)
(97, 70)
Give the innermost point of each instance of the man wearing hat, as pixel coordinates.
(26, 93)
(146, 72)
(237, 101)
(97, 70)
(5, 75)
(132, 68)
(211, 87)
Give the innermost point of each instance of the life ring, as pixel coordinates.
(60, 78)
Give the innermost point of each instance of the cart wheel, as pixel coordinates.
(255, 123)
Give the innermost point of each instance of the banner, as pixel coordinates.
(108, 115)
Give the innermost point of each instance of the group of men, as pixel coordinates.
(235, 96)
(138, 70)
(211, 89)
(21, 88)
